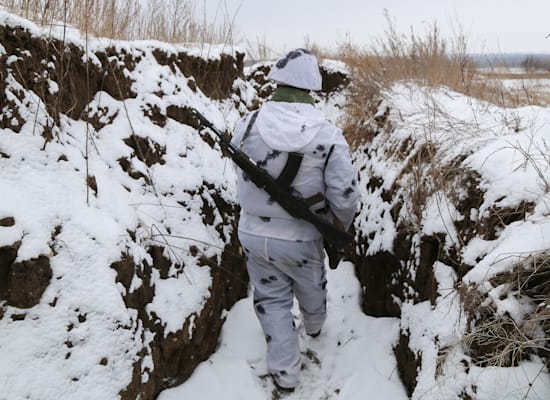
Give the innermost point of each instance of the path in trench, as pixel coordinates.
(351, 359)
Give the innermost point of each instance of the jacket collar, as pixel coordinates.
(292, 95)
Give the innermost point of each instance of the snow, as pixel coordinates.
(335, 66)
(517, 241)
(176, 298)
(439, 215)
(507, 149)
(351, 359)
(56, 352)
(52, 354)
(67, 33)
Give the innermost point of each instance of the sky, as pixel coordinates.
(491, 26)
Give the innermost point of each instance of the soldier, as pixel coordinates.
(294, 142)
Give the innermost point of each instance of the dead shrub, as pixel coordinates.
(500, 340)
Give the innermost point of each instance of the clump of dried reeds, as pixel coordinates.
(500, 340)
(175, 21)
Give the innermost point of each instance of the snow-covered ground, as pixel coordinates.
(352, 359)
(82, 340)
(433, 139)
(91, 195)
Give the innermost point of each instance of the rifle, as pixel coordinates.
(335, 239)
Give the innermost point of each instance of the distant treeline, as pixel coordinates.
(527, 61)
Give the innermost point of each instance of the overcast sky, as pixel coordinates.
(491, 25)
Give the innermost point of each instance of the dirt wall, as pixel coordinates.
(65, 85)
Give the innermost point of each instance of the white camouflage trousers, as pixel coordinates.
(280, 270)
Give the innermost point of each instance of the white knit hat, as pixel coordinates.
(298, 68)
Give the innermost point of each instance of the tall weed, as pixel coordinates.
(174, 21)
(428, 59)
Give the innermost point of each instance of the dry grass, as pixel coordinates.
(429, 60)
(512, 89)
(501, 75)
(499, 340)
(174, 21)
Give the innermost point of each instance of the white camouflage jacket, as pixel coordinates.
(326, 168)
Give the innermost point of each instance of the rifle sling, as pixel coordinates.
(290, 170)
(248, 128)
(334, 235)
(293, 162)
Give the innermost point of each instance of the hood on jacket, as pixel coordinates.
(298, 68)
(288, 126)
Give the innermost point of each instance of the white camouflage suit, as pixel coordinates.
(285, 256)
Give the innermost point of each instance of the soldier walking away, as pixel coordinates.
(307, 154)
